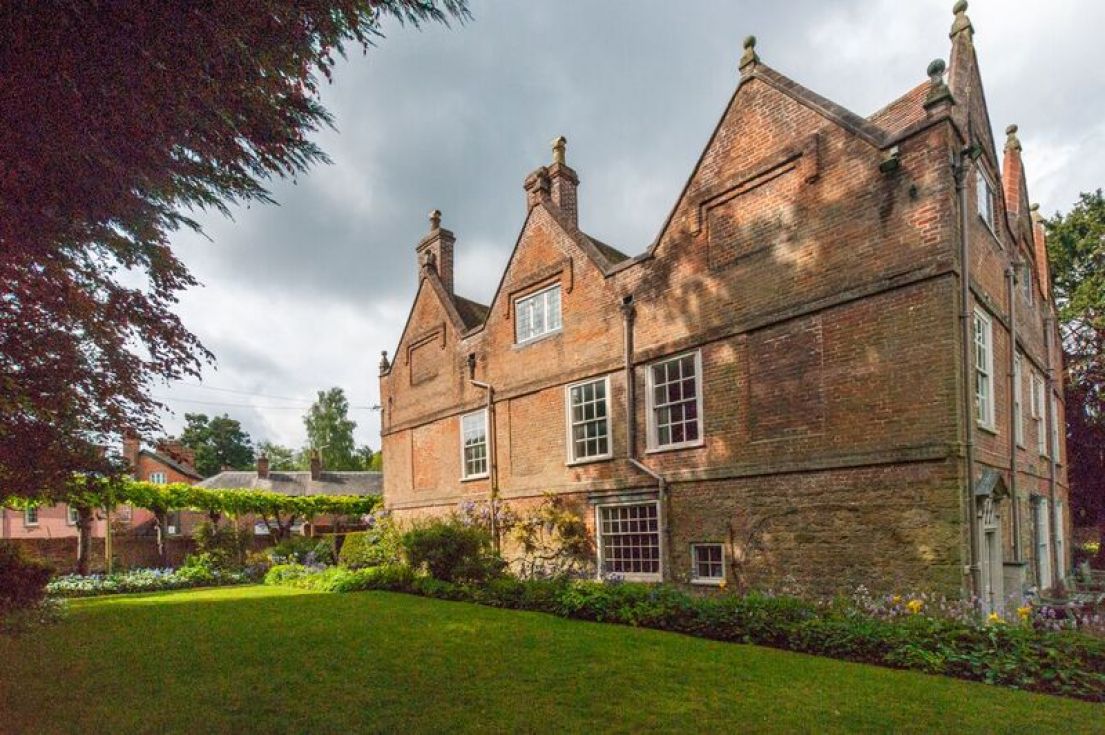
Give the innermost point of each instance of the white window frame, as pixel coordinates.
(1038, 413)
(174, 529)
(71, 515)
(984, 412)
(546, 329)
(710, 581)
(464, 476)
(159, 478)
(1018, 399)
(1029, 286)
(30, 516)
(632, 576)
(1043, 543)
(650, 404)
(570, 423)
(983, 186)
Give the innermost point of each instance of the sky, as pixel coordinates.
(304, 295)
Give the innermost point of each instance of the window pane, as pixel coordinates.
(537, 314)
(630, 541)
(675, 401)
(588, 412)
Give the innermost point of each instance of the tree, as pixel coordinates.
(218, 442)
(330, 430)
(121, 119)
(281, 458)
(1076, 252)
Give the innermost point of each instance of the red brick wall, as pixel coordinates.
(822, 293)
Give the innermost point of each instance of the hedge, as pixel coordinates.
(1017, 656)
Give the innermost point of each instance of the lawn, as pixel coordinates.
(246, 659)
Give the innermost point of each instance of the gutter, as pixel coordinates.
(492, 463)
(628, 313)
(959, 171)
(1053, 446)
(1011, 280)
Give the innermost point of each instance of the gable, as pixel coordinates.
(770, 134)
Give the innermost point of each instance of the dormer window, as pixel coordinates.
(537, 315)
(984, 191)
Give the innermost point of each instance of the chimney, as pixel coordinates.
(563, 182)
(537, 187)
(435, 251)
(175, 450)
(263, 467)
(130, 448)
(1039, 240)
(316, 465)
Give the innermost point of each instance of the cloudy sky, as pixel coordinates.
(304, 295)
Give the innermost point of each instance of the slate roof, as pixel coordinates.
(610, 252)
(471, 313)
(300, 483)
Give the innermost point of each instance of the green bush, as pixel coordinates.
(221, 547)
(452, 552)
(1019, 656)
(381, 544)
(303, 550)
(22, 579)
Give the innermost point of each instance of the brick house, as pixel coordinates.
(313, 481)
(837, 362)
(170, 462)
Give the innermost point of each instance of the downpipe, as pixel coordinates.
(1011, 281)
(492, 461)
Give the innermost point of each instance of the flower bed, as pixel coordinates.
(144, 580)
(1019, 656)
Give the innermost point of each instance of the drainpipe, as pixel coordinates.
(492, 464)
(628, 312)
(1053, 447)
(959, 171)
(1011, 281)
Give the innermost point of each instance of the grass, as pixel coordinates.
(246, 659)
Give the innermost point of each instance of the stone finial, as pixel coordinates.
(749, 57)
(1034, 213)
(384, 364)
(559, 148)
(435, 220)
(938, 89)
(961, 22)
(1012, 142)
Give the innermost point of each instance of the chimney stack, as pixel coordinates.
(563, 182)
(435, 251)
(316, 465)
(130, 448)
(263, 467)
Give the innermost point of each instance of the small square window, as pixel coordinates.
(71, 515)
(158, 478)
(537, 315)
(30, 515)
(708, 563)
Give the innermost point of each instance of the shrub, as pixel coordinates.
(452, 552)
(22, 579)
(380, 544)
(1019, 656)
(222, 547)
(143, 580)
(303, 550)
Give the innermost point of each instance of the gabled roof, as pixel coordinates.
(171, 463)
(471, 313)
(300, 483)
(613, 255)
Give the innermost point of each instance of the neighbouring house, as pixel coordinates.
(837, 362)
(315, 481)
(170, 462)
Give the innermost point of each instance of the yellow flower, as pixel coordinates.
(896, 599)
(993, 618)
(915, 606)
(722, 584)
(1024, 612)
